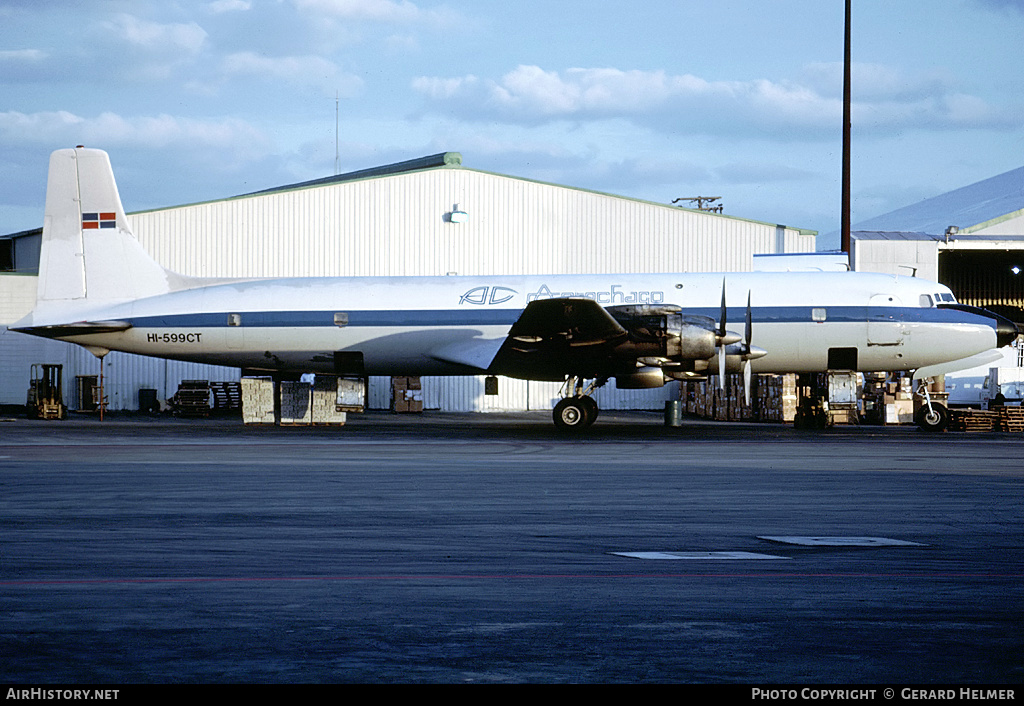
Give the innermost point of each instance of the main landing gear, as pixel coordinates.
(577, 410)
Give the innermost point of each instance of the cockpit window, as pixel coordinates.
(945, 297)
(926, 301)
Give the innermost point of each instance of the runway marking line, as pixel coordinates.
(815, 541)
(699, 556)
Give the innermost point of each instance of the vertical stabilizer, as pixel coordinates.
(88, 251)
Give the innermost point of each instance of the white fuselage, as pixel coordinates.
(455, 325)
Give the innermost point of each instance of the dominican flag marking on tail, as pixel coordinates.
(92, 221)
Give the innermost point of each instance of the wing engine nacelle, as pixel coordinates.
(736, 357)
(666, 333)
(643, 379)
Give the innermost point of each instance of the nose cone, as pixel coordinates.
(1006, 330)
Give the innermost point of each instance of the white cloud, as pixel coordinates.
(442, 88)
(312, 70)
(37, 127)
(531, 95)
(221, 6)
(374, 10)
(157, 37)
(22, 55)
(394, 12)
(159, 132)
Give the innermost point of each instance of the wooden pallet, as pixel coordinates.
(227, 396)
(1011, 419)
(972, 420)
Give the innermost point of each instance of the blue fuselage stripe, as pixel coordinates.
(507, 317)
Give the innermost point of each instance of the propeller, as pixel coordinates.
(746, 352)
(721, 341)
(748, 332)
(723, 338)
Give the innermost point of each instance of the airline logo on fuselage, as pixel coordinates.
(485, 296)
(616, 294)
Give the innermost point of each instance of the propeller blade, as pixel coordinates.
(749, 332)
(746, 381)
(721, 316)
(721, 338)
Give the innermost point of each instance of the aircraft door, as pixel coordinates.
(234, 332)
(885, 320)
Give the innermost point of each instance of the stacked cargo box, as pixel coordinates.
(773, 398)
(325, 408)
(257, 400)
(777, 398)
(295, 403)
(326, 401)
(899, 401)
(406, 395)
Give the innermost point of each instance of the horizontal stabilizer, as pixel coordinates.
(80, 328)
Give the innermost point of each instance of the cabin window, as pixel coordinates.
(341, 318)
(234, 319)
(818, 315)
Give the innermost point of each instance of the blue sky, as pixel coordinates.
(202, 99)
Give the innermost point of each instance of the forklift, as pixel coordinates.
(45, 398)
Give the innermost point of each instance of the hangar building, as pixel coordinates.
(429, 216)
(970, 239)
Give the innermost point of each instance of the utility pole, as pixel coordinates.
(846, 135)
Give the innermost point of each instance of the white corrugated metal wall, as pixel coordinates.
(399, 225)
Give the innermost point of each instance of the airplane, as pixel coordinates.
(100, 289)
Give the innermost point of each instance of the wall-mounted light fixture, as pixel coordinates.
(457, 215)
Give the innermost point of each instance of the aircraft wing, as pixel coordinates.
(556, 337)
(475, 353)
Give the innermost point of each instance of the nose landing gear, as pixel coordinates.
(932, 416)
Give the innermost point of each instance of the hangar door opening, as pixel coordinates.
(991, 279)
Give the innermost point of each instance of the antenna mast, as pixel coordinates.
(337, 153)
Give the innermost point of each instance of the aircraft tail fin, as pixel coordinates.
(88, 251)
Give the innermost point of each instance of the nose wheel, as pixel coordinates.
(932, 416)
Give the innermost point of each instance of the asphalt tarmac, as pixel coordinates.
(449, 548)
